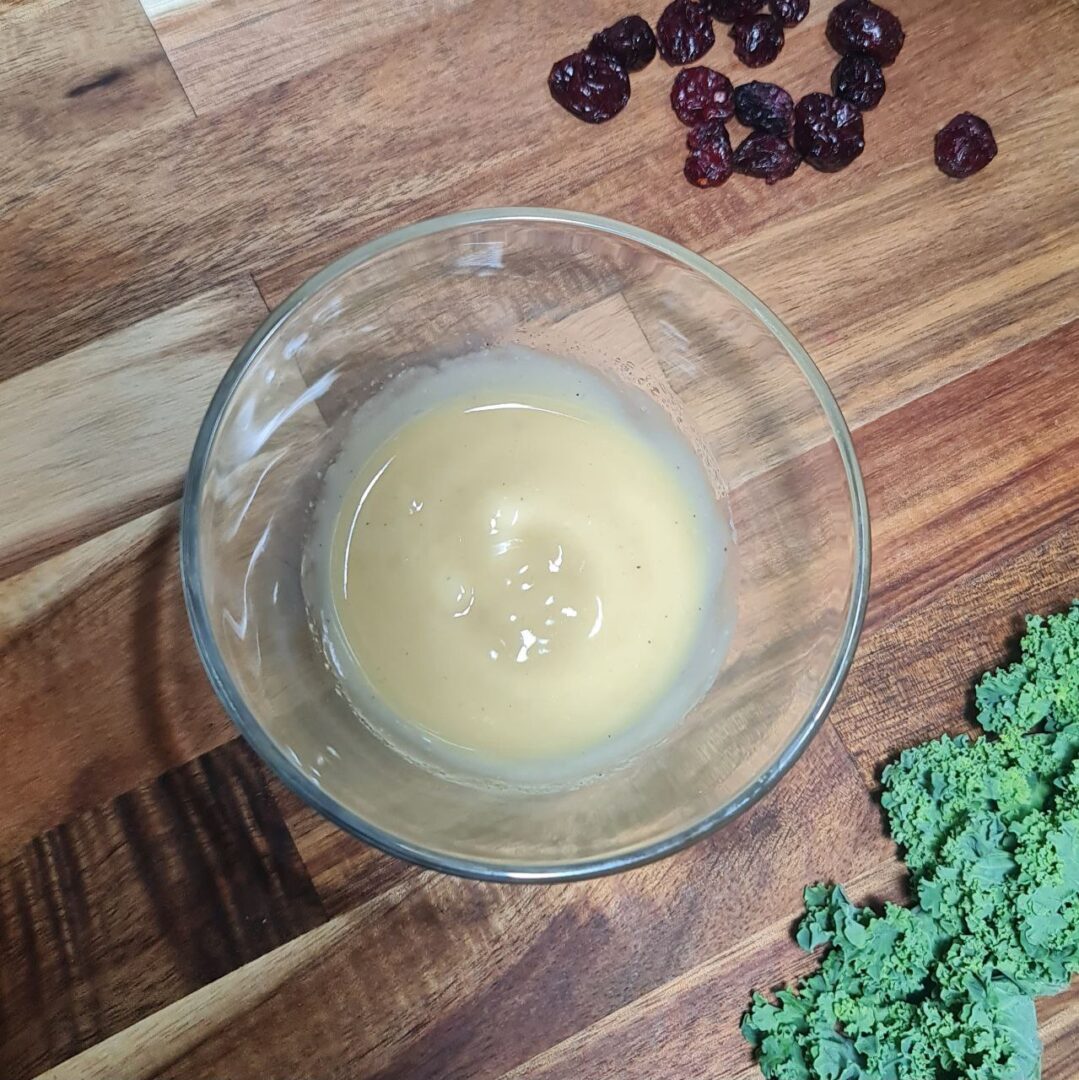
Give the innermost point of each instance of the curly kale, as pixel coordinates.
(989, 827)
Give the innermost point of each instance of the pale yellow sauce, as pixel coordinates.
(520, 575)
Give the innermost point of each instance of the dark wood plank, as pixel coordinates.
(346, 872)
(113, 915)
(443, 978)
(100, 685)
(688, 1028)
(913, 677)
(977, 470)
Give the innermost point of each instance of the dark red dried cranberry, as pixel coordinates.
(684, 32)
(700, 94)
(860, 26)
(859, 80)
(789, 12)
(711, 165)
(757, 39)
(827, 132)
(764, 106)
(705, 134)
(767, 157)
(630, 41)
(964, 146)
(729, 11)
(591, 85)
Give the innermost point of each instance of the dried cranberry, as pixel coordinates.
(700, 94)
(764, 106)
(711, 165)
(859, 80)
(789, 12)
(964, 146)
(705, 134)
(860, 26)
(757, 39)
(767, 157)
(591, 85)
(827, 132)
(729, 11)
(630, 41)
(684, 32)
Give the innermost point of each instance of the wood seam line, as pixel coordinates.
(871, 789)
(17, 616)
(168, 59)
(262, 295)
(268, 778)
(93, 529)
(155, 1043)
(1026, 343)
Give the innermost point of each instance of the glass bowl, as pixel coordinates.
(600, 293)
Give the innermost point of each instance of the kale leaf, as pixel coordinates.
(989, 828)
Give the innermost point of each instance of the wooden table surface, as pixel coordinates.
(170, 169)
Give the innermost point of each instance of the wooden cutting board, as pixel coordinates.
(167, 171)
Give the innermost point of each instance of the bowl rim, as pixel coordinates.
(288, 771)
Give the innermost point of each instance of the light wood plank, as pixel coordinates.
(226, 50)
(152, 1045)
(78, 79)
(98, 435)
(392, 148)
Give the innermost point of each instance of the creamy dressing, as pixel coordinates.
(518, 565)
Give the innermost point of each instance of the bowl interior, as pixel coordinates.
(637, 309)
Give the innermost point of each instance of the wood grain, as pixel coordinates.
(225, 52)
(121, 911)
(100, 685)
(78, 80)
(689, 1026)
(345, 872)
(1058, 1026)
(529, 154)
(444, 978)
(112, 423)
(169, 911)
(983, 467)
(974, 507)
(913, 676)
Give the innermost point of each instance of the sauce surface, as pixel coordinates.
(521, 574)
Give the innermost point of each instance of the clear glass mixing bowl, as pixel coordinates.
(587, 289)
